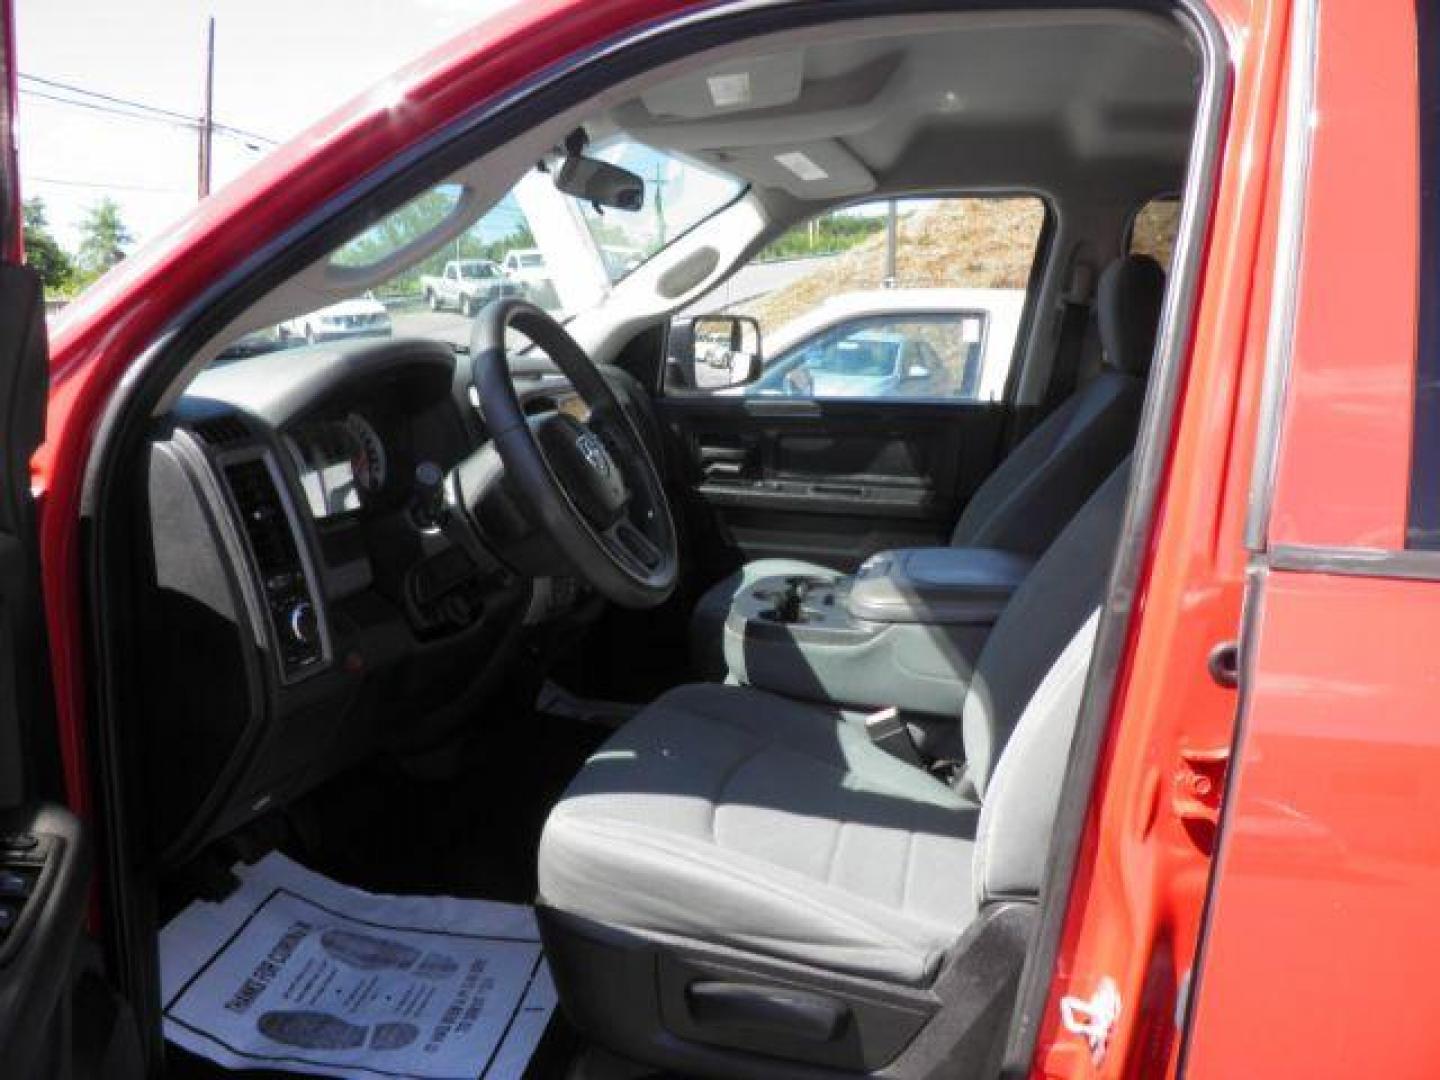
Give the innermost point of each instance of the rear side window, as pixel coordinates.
(1153, 230)
(893, 299)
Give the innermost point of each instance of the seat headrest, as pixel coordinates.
(1128, 309)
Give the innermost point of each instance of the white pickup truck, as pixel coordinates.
(468, 285)
(885, 343)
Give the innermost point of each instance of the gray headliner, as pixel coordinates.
(1102, 100)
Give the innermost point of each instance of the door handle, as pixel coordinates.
(710, 455)
(725, 462)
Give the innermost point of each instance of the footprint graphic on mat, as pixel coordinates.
(374, 954)
(325, 1031)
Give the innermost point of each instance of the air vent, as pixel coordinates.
(223, 430)
(264, 517)
(271, 534)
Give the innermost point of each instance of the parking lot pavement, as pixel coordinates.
(448, 326)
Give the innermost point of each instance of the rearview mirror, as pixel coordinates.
(600, 183)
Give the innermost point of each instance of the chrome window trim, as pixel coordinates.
(1289, 247)
(1409, 565)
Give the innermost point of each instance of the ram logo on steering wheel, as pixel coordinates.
(594, 452)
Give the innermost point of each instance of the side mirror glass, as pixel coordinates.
(724, 350)
(599, 183)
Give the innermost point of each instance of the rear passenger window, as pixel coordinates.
(1153, 230)
(893, 299)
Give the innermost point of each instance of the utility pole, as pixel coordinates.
(207, 119)
(890, 246)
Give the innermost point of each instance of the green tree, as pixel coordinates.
(827, 235)
(42, 251)
(103, 238)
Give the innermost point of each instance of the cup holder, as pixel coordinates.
(795, 600)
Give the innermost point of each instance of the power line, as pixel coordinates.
(127, 107)
(103, 186)
(57, 85)
(109, 109)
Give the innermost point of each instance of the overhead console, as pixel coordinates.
(904, 632)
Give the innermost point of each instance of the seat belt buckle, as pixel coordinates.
(888, 730)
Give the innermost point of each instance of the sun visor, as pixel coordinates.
(762, 82)
(813, 170)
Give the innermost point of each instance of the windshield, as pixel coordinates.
(535, 243)
(679, 194)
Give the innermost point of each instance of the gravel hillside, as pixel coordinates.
(977, 243)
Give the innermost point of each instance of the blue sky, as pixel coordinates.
(280, 65)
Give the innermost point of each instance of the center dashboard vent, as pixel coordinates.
(271, 536)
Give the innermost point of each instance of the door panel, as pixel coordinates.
(53, 1016)
(1321, 929)
(44, 882)
(828, 480)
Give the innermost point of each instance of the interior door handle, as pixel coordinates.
(727, 462)
(711, 455)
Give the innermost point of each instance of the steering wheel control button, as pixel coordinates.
(18, 842)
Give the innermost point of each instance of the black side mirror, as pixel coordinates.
(600, 183)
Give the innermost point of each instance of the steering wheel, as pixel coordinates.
(589, 484)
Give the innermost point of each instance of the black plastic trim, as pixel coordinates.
(1423, 527)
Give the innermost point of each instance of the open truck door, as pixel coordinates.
(58, 1016)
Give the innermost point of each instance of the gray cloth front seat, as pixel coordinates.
(1027, 500)
(728, 822)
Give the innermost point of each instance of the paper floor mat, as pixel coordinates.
(296, 972)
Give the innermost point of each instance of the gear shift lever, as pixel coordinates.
(427, 508)
(790, 604)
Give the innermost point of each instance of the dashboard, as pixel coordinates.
(342, 465)
(302, 610)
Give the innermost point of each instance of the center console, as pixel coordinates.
(904, 631)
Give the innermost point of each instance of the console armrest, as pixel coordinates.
(937, 586)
